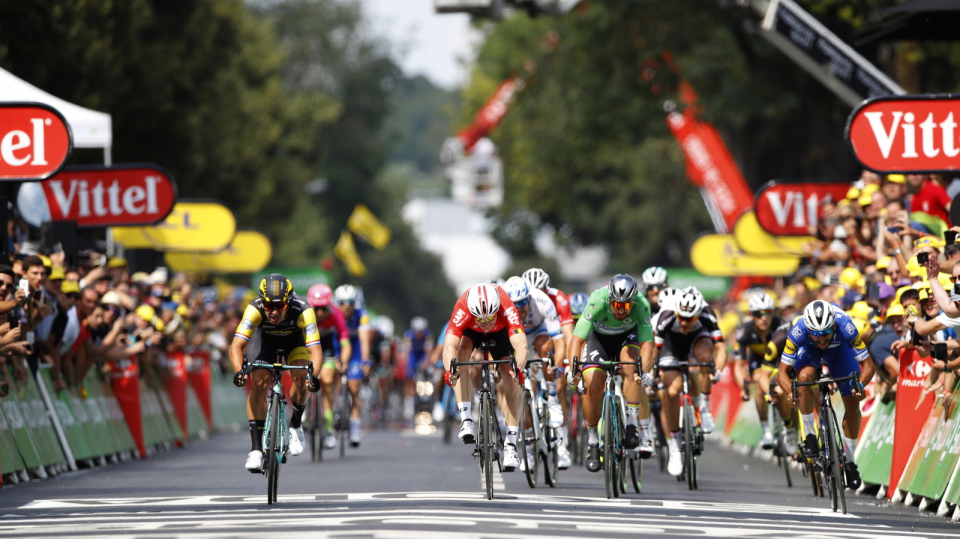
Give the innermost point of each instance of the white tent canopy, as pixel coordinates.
(91, 129)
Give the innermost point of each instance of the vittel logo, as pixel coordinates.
(17, 147)
(934, 136)
(80, 198)
(35, 141)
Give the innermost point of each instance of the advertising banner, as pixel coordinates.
(791, 209)
(875, 450)
(176, 385)
(906, 134)
(125, 379)
(488, 117)
(192, 225)
(912, 411)
(711, 167)
(122, 195)
(198, 373)
(936, 452)
(35, 141)
(756, 241)
(913, 476)
(249, 252)
(720, 255)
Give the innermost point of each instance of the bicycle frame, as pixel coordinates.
(692, 434)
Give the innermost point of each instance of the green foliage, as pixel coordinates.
(420, 122)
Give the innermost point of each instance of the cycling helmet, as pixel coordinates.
(818, 316)
(517, 289)
(537, 278)
(667, 298)
(761, 301)
(346, 293)
(655, 276)
(385, 326)
(319, 295)
(419, 323)
(578, 302)
(622, 287)
(483, 300)
(275, 288)
(689, 303)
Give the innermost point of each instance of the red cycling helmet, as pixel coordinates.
(319, 295)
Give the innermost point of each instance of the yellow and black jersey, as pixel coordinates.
(748, 339)
(298, 328)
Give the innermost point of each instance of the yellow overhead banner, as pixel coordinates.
(756, 241)
(719, 255)
(365, 224)
(191, 226)
(346, 251)
(249, 252)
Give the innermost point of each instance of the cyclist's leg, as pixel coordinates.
(328, 379)
(637, 405)
(762, 378)
(702, 351)
(670, 415)
(466, 384)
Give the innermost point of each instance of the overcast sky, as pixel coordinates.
(435, 45)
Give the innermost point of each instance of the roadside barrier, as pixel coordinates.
(125, 412)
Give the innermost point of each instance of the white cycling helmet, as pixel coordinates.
(483, 300)
(690, 303)
(818, 316)
(419, 323)
(655, 276)
(761, 301)
(537, 278)
(667, 298)
(385, 326)
(517, 289)
(345, 293)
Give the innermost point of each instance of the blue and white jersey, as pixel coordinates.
(845, 338)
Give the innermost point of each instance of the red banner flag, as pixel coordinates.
(912, 411)
(199, 376)
(492, 112)
(711, 167)
(125, 378)
(176, 382)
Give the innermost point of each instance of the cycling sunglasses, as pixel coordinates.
(486, 319)
(654, 287)
(323, 308)
(765, 312)
(625, 305)
(522, 303)
(345, 302)
(682, 318)
(271, 307)
(822, 333)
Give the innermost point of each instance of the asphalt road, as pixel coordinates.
(400, 484)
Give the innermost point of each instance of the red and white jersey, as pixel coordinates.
(507, 316)
(562, 305)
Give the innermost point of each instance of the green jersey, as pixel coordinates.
(598, 317)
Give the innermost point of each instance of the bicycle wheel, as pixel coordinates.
(688, 443)
(272, 459)
(636, 473)
(551, 457)
(529, 448)
(782, 449)
(582, 437)
(609, 469)
(343, 426)
(835, 454)
(318, 426)
(486, 442)
(445, 402)
(573, 429)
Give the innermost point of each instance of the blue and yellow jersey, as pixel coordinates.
(845, 335)
(414, 344)
(298, 328)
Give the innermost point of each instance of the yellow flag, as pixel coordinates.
(365, 224)
(719, 255)
(346, 251)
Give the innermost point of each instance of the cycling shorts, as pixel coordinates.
(265, 351)
(603, 348)
(536, 332)
(840, 360)
(499, 342)
(678, 347)
(355, 370)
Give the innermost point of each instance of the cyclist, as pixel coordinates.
(277, 319)
(753, 339)
(704, 376)
(435, 361)
(655, 280)
(578, 302)
(416, 346)
(540, 280)
(333, 336)
(361, 335)
(542, 326)
(826, 335)
(688, 331)
(485, 311)
(616, 327)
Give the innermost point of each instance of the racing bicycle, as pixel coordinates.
(690, 430)
(542, 443)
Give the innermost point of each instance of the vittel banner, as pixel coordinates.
(790, 209)
(907, 134)
(35, 141)
(122, 195)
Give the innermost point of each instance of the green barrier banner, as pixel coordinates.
(152, 431)
(10, 460)
(22, 436)
(746, 426)
(116, 414)
(196, 422)
(952, 492)
(46, 438)
(942, 454)
(875, 450)
(100, 429)
(90, 432)
(97, 403)
(169, 424)
(920, 448)
(71, 426)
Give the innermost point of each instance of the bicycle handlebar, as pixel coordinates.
(795, 385)
(454, 363)
(260, 366)
(687, 364)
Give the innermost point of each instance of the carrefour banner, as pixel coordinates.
(936, 453)
(913, 410)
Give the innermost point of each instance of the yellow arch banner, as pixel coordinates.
(756, 241)
(191, 226)
(249, 252)
(719, 255)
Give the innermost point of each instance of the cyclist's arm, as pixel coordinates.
(868, 369)
(366, 337)
(450, 345)
(248, 324)
(647, 352)
(720, 353)
(519, 342)
(311, 338)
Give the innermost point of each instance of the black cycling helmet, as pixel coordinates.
(275, 288)
(622, 287)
